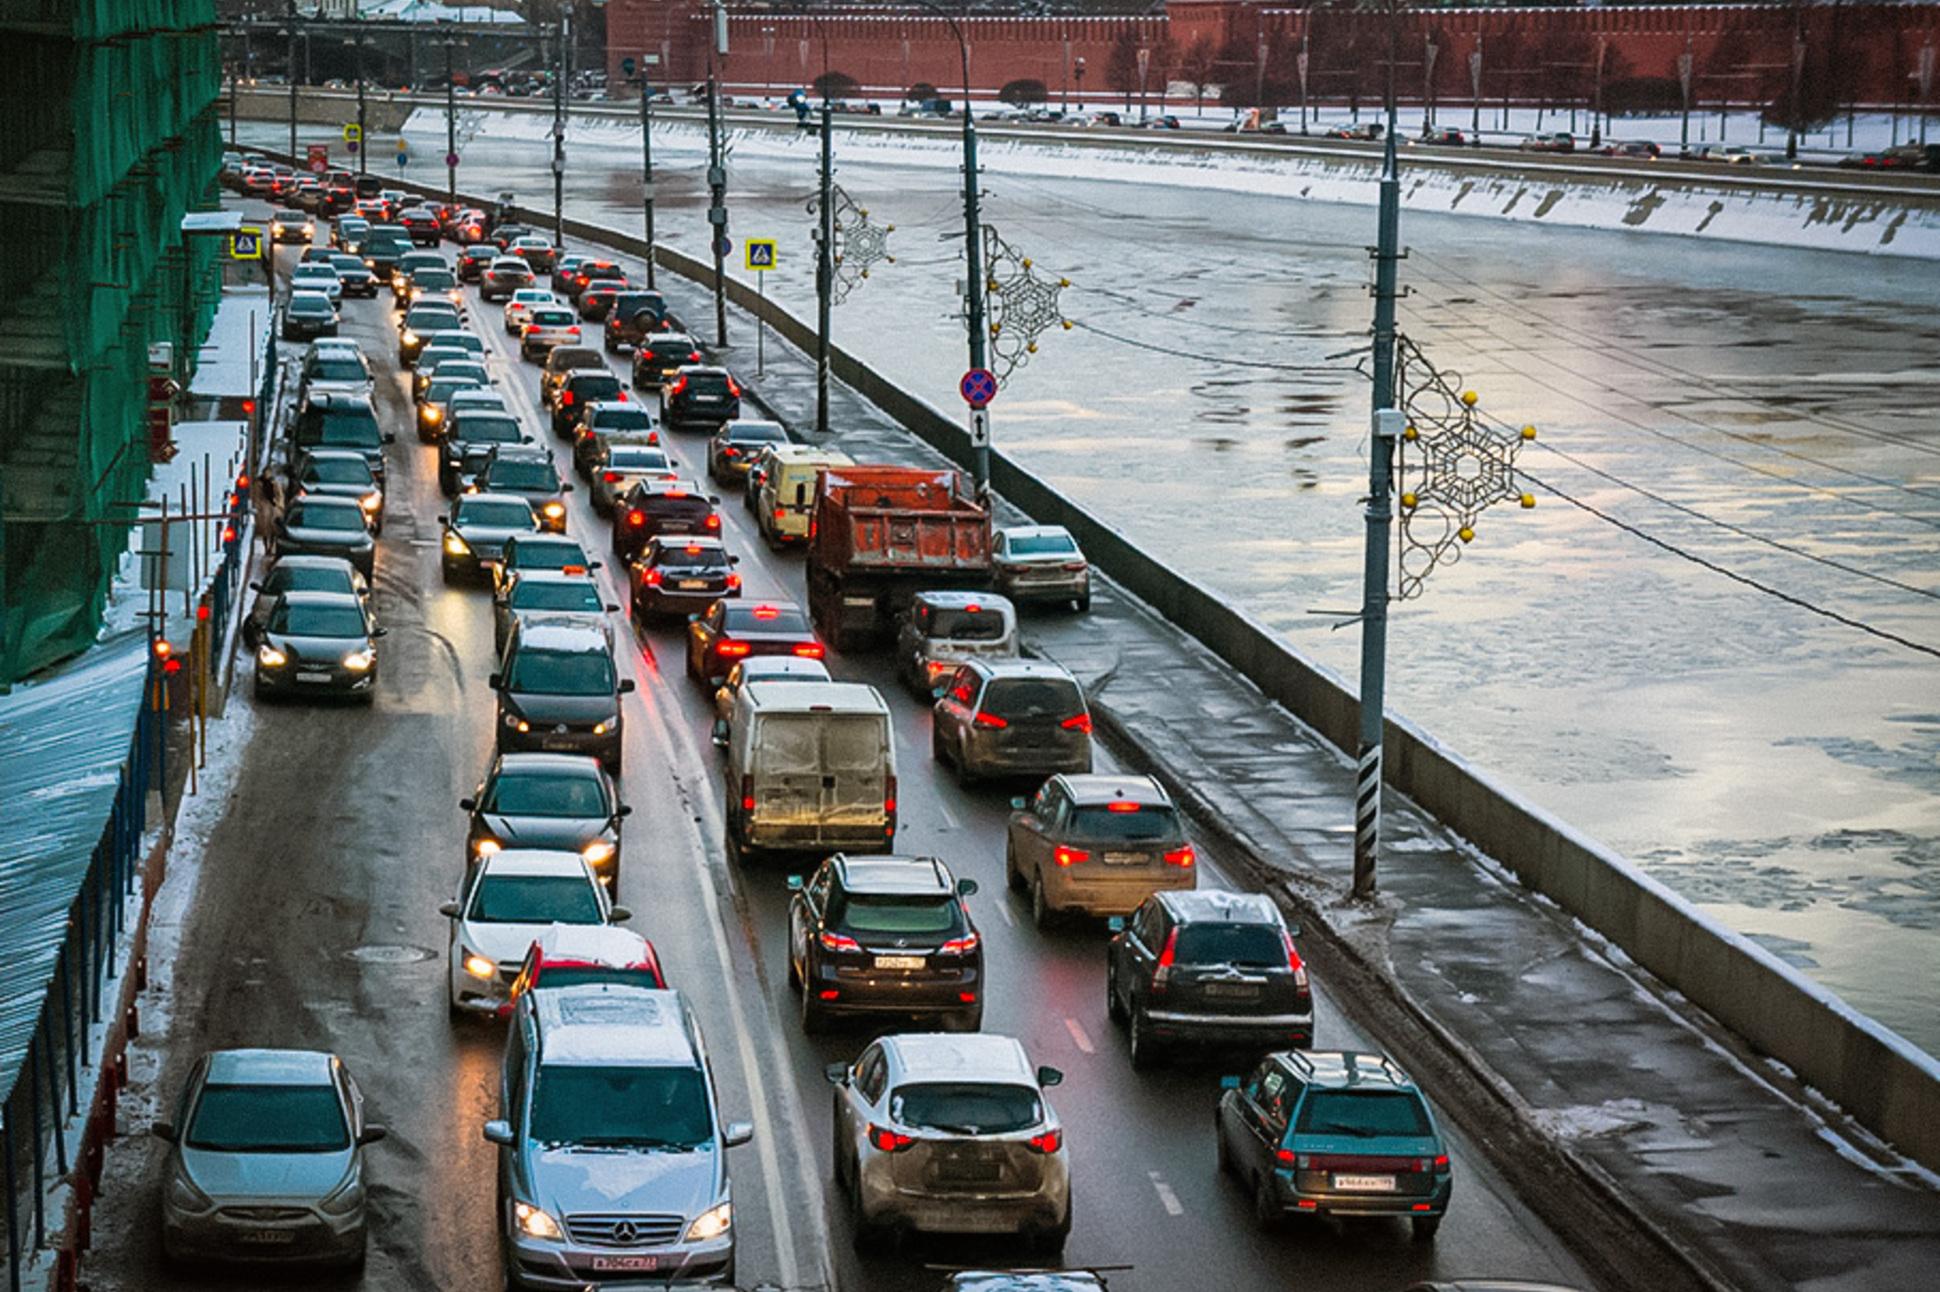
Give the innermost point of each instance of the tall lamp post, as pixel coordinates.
(292, 71)
(363, 128)
(646, 151)
(559, 130)
(451, 127)
(973, 281)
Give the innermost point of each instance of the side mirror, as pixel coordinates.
(794, 883)
(380, 632)
(837, 1073)
(163, 1131)
(612, 609)
(1293, 930)
(468, 804)
(626, 686)
(1018, 805)
(714, 500)
(255, 587)
(492, 682)
(499, 1132)
(1229, 1083)
(390, 437)
(444, 522)
(449, 910)
(619, 915)
(625, 809)
(371, 1134)
(566, 487)
(732, 560)
(596, 565)
(737, 1133)
(966, 887)
(693, 619)
(1049, 1077)
(942, 689)
(720, 734)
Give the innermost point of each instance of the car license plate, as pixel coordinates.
(267, 1237)
(1365, 1183)
(899, 962)
(1232, 991)
(637, 1263)
(1124, 858)
(685, 584)
(313, 677)
(559, 743)
(970, 1172)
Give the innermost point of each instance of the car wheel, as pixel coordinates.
(1222, 1155)
(693, 665)
(1425, 1228)
(1012, 875)
(815, 1015)
(961, 759)
(1041, 913)
(866, 1235)
(1114, 1007)
(936, 745)
(1083, 603)
(1145, 1050)
(794, 973)
(1267, 1215)
(1050, 1242)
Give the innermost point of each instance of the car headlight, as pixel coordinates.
(535, 1223)
(346, 1197)
(456, 545)
(517, 723)
(184, 1196)
(372, 501)
(555, 509)
(360, 660)
(711, 1223)
(486, 847)
(479, 967)
(268, 656)
(611, 724)
(598, 852)
(430, 413)
(410, 338)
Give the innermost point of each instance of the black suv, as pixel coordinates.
(473, 431)
(700, 398)
(1209, 968)
(559, 691)
(653, 507)
(581, 387)
(337, 421)
(658, 358)
(885, 935)
(635, 313)
(680, 575)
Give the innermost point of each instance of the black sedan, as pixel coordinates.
(734, 448)
(564, 801)
(468, 429)
(547, 593)
(341, 473)
(300, 574)
(477, 530)
(700, 398)
(680, 576)
(307, 316)
(320, 643)
(527, 471)
(734, 630)
(535, 551)
(313, 526)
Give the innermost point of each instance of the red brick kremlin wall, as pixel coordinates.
(1852, 55)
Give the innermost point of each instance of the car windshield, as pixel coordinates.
(764, 619)
(593, 975)
(495, 513)
(268, 1119)
(431, 318)
(491, 430)
(552, 318)
(335, 369)
(628, 459)
(319, 621)
(965, 625)
(1032, 697)
(305, 304)
(309, 578)
(745, 435)
(1132, 822)
(600, 387)
(692, 558)
(434, 279)
(548, 794)
(549, 672)
(556, 596)
(625, 418)
(1042, 545)
(548, 556)
(534, 899)
(337, 471)
(633, 1107)
(344, 520)
(314, 273)
(348, 264)
(893, 913)
(1363, 1114)
(1251, 945)
(443, 388)
(966, 1107)
(523, 475)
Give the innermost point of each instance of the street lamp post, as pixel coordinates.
(451, 128)
(646, 153)
(559, 131)
(1078, 75)
(292, 70)
(363, 128)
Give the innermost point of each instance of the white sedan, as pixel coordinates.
(518, 310)
(318, 277)
(508, 899)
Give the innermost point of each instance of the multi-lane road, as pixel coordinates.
(314, 923)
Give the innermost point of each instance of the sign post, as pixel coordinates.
(760, 258)
(319, 158)
(246, 243)
(978, 388)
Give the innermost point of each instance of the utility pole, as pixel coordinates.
(973, 288)
(646, 154)
(559, 133)
(1387, 426)
(824, 268)
(363, 128)
(292, 67)
(451, 129)
(717, 216)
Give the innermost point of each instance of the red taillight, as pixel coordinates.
(734, 388)
(636, 518)
(781, 513)
(1064, 856)
(623, 397)
(840, 942)
(652, 578)
(566, 398)
(747, 793)
(1074, 567)
(809, 650)
(1121, 806)
(734, 582)
(889, 795)
(992, 721)
(611, 477)
(1049, 1142)
(1285, 1155)
(1180, 857)
(1082, 722)
(731, 650)
(729, 451)
(713, 522)
(1295, 963)
(1162, 972)
(889, 1141)
(679, 384)
(959, 946)
(528, 329)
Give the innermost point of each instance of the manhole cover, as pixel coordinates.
(389, 954)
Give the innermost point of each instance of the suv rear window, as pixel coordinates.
(961, 1106)
(669, 348)
(1031, 697)
(1362, 1114)
(599, 386)
(764, 619)
(700, 558)
(712, 384)
(348, 427)
(1142, 822)
(522, 475)
(952, 624)
(1257, 945)
(894, 913)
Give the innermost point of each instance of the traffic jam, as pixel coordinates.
(597, 537)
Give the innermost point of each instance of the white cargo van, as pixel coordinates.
(788, 489)
(810, 766)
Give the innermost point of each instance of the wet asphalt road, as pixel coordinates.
(316, 924)
(1763, 409)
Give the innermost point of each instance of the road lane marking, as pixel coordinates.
(949, 817)
(1167, 1199)
(1078, 1036)
(1003, 909)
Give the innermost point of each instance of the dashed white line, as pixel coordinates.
(1003, 909)
(1078, 1036)
(1167, 1199)
(949, 817)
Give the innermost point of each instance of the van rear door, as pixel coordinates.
(855, 780)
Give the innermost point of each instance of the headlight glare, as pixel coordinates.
(536, 1223)
(456, 545)
(479, 967)
(269, 657)
(597, 852)
(712, 1223)
(359, 661)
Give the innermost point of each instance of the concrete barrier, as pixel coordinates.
(1889, 1085)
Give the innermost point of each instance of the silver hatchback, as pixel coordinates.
(266, 1161)
(950, 1133)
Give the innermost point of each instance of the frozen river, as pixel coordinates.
(1763, 416)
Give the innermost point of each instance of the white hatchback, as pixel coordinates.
(507, 901)
(518, 310)
(317, 276)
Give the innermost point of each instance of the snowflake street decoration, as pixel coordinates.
(858, 243)
(1021, 305)
(1449, 466)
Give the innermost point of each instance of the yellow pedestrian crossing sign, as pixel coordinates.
(353, 133)
(246, 243)
(761, 253)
